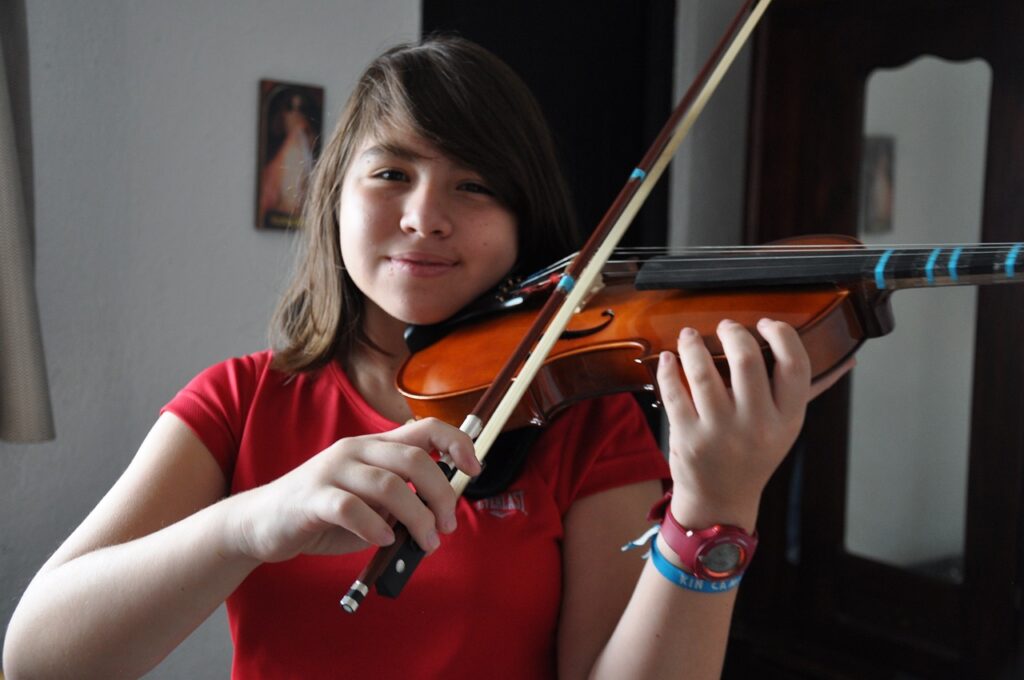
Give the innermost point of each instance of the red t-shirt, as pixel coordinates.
(485, 604)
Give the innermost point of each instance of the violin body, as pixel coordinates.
(612, 345)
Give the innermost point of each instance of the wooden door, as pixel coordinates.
(809, 608)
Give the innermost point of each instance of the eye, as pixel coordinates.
(476, 188)
(391, 175)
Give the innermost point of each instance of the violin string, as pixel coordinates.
(795, 259)
(791, 257)
(775, 255)
(850, 248)
(802, 250)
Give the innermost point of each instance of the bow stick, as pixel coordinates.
(392, 565)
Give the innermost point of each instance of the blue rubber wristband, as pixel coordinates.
(686, 580)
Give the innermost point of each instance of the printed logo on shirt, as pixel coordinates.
(503, 505)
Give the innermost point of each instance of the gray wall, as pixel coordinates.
(708, 175)
(148, 265)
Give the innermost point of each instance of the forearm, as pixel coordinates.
(668, 632)
(119, 610)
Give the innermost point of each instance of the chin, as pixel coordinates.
(420, 316)
(426, 319)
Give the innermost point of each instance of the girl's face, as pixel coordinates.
(421, 236)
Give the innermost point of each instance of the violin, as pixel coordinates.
(833, 290)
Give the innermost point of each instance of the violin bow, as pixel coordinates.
(392, 565)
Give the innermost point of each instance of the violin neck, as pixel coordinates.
(962, 265)
(882, 268)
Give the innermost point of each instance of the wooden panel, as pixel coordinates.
(830, 614)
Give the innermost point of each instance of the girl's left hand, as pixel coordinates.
(725, 443)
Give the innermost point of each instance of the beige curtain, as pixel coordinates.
(25, 414)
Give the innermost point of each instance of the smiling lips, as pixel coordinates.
(422, 264)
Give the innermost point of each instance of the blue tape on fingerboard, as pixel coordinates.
(929, 268)
(880, 269)
(952, 263)
(1011, 260)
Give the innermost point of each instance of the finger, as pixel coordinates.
(791, 377)
(413, 465)
(748, 374)
(431, 434)
(346, 510)
(391, 495)
(832, 377)
(706, 386)
(674, 396)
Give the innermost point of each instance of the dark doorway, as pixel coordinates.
(602, 72)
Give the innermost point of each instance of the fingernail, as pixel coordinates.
(433, 541)
(688, 332)
(449, 524)
(387, 537)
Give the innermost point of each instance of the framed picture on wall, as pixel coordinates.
(290, 123)
(877, 184)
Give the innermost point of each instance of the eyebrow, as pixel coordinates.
(392, 150)
(395, 150)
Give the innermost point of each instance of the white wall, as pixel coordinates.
(708, 175)
(148, 264)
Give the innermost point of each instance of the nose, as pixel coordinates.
(426, 212)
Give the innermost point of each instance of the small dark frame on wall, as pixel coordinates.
(291, 119)
(876, 185)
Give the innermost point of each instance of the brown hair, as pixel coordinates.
(475, 109)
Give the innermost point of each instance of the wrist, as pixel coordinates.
(667, 552)
(685, 578)
(696, 511)
(715, 552)
(236, 535)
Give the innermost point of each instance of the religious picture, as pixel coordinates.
(291, 118)
(876, 184)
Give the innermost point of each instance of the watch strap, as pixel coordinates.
(693, 545)
(686, 580)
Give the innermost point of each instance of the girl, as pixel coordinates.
(265, 480)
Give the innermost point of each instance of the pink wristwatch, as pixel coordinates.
(717, 553)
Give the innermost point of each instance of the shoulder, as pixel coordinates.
(596, 445)
(235, 372)
(607, 422)
(215, 404)
(237, 380)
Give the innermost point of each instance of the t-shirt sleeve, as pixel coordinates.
(215, 404)
(602, 444)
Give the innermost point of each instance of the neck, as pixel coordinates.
(373, 371)
(373, 374)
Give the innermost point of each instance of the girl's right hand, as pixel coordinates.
(339, 500)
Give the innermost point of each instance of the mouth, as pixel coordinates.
(422, 264)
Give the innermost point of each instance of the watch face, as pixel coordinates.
(723, 558)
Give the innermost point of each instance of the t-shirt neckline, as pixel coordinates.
(371, 414)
